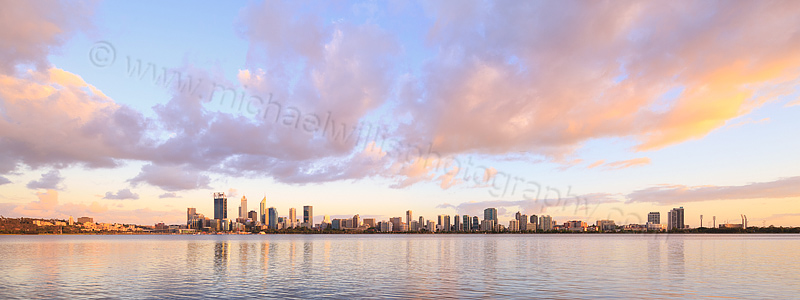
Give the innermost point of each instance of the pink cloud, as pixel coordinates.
(673, 194)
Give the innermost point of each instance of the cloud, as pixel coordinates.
(4, 180)
(747, 121)
(49, 180)
(122, 194)
(30, 30)
(677, 194)
(172, 178)
(169, 195)
(594, 70)
(641, 161)
(47, 201)
(596, 164)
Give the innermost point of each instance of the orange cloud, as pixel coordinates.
(627, 163)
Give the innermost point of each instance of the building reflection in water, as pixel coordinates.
(221, 256)
(676, 264)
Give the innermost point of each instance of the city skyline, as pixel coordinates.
(601, 112)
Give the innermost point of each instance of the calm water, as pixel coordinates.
(400, 266)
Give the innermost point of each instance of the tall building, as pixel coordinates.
(606, 225)
(243, 208)
(273, 218)
(522, 222)
(396, 223)
(446, 223)
(421, 223)
(252, 215)
(476, 225)
(369, 222)
(545, 223)
(220, 206)
(190, 213)
(467, 226)
(356, 221)
(292, 218)
(654, 217)
(262, 211)
(675, 219)
(490, 214)
(457, 223)
(308, 216)
(408, 217)
(71, 221)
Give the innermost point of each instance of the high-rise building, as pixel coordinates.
(675, 219)
(308, 216)
(476, 225)
(457, 223)
(446, 223)
(190, 214)
(467, 225)
(252, 215)
(273, 218)
(431, 226)
(396, 223)
(369, 222)
(243, 208)
(292, 218)
(408, 217)
(220, 206)
(654, 217)
(262, 211)
(421, 223)
(513, 225)
(545, 223)
(71, 221)
(356, 221)
(522, 222)
(490, 214)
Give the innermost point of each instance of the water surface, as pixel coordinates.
(400, 266)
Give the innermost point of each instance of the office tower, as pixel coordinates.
(654, 217)
(431, 226)
(522, 220)
(490, 214)
(467, 226)
(262, 211)
(220, 206)
(292, 218)
(396, 223)
(369, 222)
(408, 217)
(386, 226)
(446, 223)
(273, 218)
(440, 220)
(513, 225)
(488, 225)
(308, 216)
(356, 221)
(337, 224)
(545, 223)
(675, 219)
(421, 223)
(243, 208)
(190, 214)
(456, 223)
(252, 215)
(476, 225)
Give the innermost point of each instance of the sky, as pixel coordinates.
(131, 112)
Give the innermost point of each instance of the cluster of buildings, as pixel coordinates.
(88, 224)
(268, 218)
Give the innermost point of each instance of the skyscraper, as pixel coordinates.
(675, 219)
(408, 217)
(356, 221)
(273, 218)
(467, 226)
(654, 217)
(292, 218)
(243, 208)
(446, 223)
(220, 206)
(545, 223)
(457, 223)
(190, 212)
(308, 216)
(476, 225)
(262, 211)
(490, 214)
